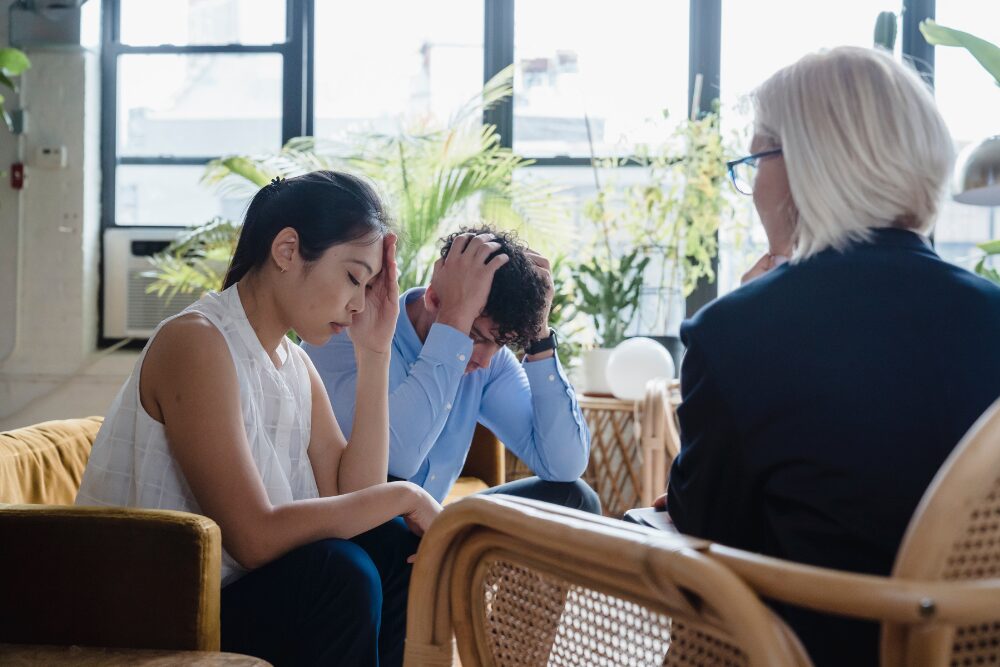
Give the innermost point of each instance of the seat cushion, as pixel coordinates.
(18, 655)
(465, 486)
(43, 464)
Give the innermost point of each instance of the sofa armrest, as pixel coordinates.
(117, 577)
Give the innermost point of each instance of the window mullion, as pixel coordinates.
(916, 50)
(293, 108)
(498, 53)
(704, 58)
(111, 30)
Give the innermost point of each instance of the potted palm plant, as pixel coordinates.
(432, 178)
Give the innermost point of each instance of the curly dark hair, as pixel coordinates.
(517, 296)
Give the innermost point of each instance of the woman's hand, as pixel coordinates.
(422, 512)
(373, 328)
(421, 509)
(766, 263)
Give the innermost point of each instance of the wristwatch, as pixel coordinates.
(544, 344)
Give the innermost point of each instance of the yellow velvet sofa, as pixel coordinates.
(117, 586)
(89, 586)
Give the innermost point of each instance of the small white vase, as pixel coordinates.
(595, 364)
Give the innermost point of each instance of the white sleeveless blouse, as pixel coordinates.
(131, 464)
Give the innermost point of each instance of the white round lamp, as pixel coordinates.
(635, 362)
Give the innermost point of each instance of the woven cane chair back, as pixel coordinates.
(527, 587)
(955, 536)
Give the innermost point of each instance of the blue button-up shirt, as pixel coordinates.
(434, 405)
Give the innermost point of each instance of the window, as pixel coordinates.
(187, 82)
(592, 75)
(757, 41)
(375, 74)
(970, 103)
(618, 64)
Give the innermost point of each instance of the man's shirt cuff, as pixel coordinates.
(447, 346)
(546, 376)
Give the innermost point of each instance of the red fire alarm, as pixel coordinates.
(17, 175)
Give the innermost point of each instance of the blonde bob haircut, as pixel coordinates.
(863, 143)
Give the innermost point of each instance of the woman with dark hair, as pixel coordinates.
(222, 416)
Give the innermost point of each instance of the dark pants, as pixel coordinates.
(332, 602)
(576, 495)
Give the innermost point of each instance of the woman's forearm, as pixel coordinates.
(365, 461)
(263, 538)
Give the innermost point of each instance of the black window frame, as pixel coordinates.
(297, 91)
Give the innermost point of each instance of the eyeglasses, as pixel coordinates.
(743, 171)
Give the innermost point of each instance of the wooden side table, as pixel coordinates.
(616, 462)
(631, 446)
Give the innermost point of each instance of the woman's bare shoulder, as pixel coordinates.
(189, 346)
(190, 334)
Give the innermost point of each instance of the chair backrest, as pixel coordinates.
(954, 536)
(659, 438)
(43, 464)
(522, 583)
(486, 457)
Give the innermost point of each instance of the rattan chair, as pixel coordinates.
(522, 583)
(941, 606)
(658, 437)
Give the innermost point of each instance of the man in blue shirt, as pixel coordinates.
(451, 368)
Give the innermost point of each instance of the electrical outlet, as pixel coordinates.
(50, 157)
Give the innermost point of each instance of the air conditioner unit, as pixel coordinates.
(129, 311)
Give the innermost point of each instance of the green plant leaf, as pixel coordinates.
(986, 53)
(250, 170)
(6, 116)
(13, 62)
(990, 247)
(987, 272)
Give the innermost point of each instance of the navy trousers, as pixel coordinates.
(332, 602)
(576, 495)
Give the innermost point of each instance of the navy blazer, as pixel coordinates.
(818, 403)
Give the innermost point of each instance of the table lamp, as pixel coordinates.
(635, 362)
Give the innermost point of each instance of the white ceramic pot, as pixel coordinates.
(595, 364)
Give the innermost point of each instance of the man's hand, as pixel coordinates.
(462, 280)
(544, 269)
(660, 503)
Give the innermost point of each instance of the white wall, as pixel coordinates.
(49, 249)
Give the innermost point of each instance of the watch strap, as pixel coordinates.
(543, 344)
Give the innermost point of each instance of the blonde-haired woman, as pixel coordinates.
(821, 397)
